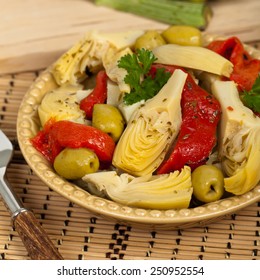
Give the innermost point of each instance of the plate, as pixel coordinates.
(28, 125)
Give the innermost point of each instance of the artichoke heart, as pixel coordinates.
(88, 52)
(151, 130)
(239, 144)
(166, 191)
(61, 104)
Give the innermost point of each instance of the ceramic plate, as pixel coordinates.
(28, 125)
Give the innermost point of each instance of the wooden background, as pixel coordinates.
(35, 32)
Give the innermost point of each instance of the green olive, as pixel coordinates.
(208, 183)
(108, 119)
(183, 35)
(73, 164)
(149, 40)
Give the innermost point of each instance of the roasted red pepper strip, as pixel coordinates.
(246, 68)
(56, 136)
(197, 137)
(97, 96)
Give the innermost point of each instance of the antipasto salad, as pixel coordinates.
(154, 119)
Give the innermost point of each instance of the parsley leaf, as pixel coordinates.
(251, 99)
(142, 85)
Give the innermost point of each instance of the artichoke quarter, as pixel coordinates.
(61, 104)
(151, 130)
(239, 140)
(166, 191)
(88, 53)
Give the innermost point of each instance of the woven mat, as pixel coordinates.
(79, 234)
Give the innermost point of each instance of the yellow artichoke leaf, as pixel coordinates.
(151, 130)
(66, 67)
(61, 104)
(75, 74)
(239, 140)
(162, 183)
(166, 191)
(178, 199)
(248, 175)
(89, 52)
(93, 59)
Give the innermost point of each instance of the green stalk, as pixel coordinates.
(172, 12)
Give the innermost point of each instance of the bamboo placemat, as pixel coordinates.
(79, 234)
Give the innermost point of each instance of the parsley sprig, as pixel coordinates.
(143, 86)
(251, 98)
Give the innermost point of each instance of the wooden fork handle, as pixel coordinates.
(34, 237)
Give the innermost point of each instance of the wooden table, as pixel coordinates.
(33, 35)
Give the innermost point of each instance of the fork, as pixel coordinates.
(34, 237)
